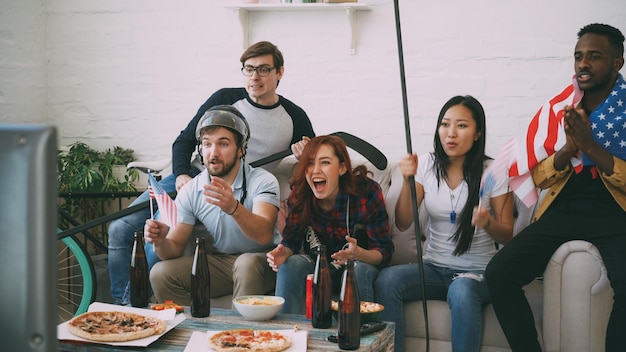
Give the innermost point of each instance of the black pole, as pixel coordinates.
(409, 148)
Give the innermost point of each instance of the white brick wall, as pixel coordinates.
(133, 73)
(23, 84)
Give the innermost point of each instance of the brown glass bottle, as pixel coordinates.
(322, 291)
(349, 315)
(200, 282)
(139, 279)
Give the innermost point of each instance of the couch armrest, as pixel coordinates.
(577, 299)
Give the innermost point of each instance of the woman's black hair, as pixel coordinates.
(472, 168)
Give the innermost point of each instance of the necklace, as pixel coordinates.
(454, 206)
(348, 216)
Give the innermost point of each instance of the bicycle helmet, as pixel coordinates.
(226, 116)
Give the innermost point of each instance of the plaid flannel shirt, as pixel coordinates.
(330, 227)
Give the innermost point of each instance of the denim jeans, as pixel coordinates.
(291, 282)
(121, 237)
(465, 296)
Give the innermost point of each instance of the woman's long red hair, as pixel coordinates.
(301, 197)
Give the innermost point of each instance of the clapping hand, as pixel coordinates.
(349, 251)
(577, 128)
(277, 256)
(220, 193)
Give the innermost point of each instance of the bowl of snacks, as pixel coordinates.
(370, 311)
(258, 307)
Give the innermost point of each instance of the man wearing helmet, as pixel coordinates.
(277, 124)
(236, 203)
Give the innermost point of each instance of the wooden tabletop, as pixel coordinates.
(224, 319)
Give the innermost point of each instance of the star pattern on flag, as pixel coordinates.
(607, 125)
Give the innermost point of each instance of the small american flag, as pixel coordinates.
(498, 169)
(167, 207)
(545, 135)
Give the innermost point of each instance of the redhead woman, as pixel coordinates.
(337, 206)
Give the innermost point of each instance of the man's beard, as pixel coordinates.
(601, 83)
(228, 167)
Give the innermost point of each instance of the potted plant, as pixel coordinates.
(83, 170)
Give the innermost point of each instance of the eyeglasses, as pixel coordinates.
(262, 71)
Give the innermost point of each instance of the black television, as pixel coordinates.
(28, 208)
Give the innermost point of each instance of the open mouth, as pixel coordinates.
(319, 184)
(584, 77)
(214, 164)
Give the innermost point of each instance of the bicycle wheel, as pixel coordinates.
(76, 287)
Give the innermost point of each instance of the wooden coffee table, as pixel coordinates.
(224, 319)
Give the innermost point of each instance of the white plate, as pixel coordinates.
(198, 342)
(169, 315)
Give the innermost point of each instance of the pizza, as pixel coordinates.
(115, 326)
(167, 305)
(248, 340)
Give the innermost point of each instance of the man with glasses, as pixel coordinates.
(277, 123)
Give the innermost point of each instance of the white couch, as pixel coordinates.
(571, 304)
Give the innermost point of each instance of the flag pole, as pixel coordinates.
(151, 192)
(407, 130)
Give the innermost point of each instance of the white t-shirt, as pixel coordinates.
(439, 201)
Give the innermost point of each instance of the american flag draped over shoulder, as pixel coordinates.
(167, 208)
(545, 135)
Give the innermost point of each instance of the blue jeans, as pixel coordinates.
(291, 282)
(121, 236)
(465, 296)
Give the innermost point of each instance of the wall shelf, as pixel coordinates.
(350, 8)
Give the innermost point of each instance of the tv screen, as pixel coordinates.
(28, 218)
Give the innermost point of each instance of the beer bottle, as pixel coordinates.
(200, 282)
(322, 291)
(139, 279)
(349, 315)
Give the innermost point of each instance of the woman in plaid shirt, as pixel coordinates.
(337, 206)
